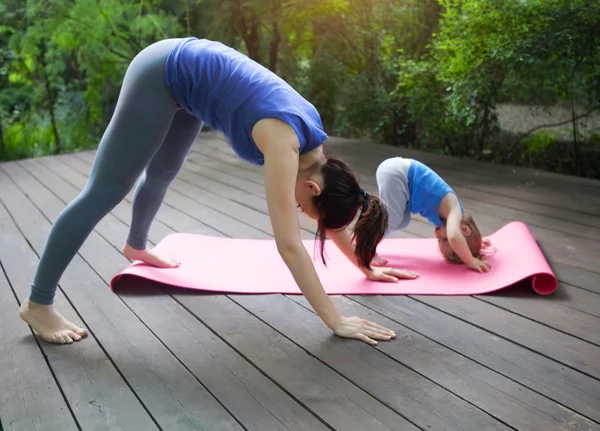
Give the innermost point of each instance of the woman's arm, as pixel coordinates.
(281, 157)
(280, 147)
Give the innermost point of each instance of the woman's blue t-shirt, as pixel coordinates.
(230, 93)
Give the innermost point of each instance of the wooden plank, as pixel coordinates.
(550, 218)
(76, 171)
(464, 187)
(31, 398)
(418, 226)
(526, 187)
(578, 324)
(212, 174)
(167, 210)
(208, 159)
(217, 220)
(216, 186)
(577, 391)
(252, 399)
(501, 397)
(421, 400)
(563, 348)
(579, 300)
(503, 216)
(553, 311)
(167, 389)
(247, 220)
(576, 251)
(241, 213)
(98, 395)
(245, 197)
(187, 305)
(341, 404)
(565, 272)
(581, 278)
(554, 180)
(472, 200)
(256, 401)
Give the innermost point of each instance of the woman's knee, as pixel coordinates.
(161, 175)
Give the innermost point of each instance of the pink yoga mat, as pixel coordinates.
(253, 266)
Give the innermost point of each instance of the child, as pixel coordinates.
(407, 187)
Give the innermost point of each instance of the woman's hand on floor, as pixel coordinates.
(363, 330)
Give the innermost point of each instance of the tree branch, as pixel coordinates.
(544, 126)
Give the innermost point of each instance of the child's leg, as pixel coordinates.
(140, 123)
(153, 185)
(392, 183)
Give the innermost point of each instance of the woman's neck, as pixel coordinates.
(309, 160)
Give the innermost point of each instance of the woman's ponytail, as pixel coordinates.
(369, 229)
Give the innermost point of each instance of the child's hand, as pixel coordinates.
(479, 265)
(390, 274)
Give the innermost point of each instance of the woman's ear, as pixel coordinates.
(314, 187)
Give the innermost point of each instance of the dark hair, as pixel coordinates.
(340, 200)
(474, 241)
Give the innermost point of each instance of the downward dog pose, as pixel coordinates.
(407, 187)
(170, 89)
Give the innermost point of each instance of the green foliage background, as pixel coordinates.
(418, 73)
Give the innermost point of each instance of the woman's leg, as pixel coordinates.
(151, 189)
(139, 125)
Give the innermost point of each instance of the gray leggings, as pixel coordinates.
(149, 136)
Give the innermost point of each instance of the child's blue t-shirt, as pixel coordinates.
(407, 187)
(230, 93)
(427, 189)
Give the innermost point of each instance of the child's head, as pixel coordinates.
(332, 196)
(471, 233)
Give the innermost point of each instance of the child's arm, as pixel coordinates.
(343, 240)
(459, 243)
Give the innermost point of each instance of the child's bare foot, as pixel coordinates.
(379, 261)
(148, 257)
(49, 324)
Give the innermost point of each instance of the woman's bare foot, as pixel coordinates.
(148, 257)
(49, 324)
(379, 261)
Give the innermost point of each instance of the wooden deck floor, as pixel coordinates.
(168, 360)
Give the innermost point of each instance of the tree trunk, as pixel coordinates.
(2, 147)
(251, 33)
(274, 48)
(50, 101)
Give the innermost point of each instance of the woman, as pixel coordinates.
(170, 89)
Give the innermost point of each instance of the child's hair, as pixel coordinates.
(340, 200)
(474, 241)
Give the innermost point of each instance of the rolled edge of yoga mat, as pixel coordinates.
(230, 265)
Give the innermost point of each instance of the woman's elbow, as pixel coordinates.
(289, 249)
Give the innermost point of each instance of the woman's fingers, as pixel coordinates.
(363, 337)
(403, 273)
(388, 277)
(375, 327)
